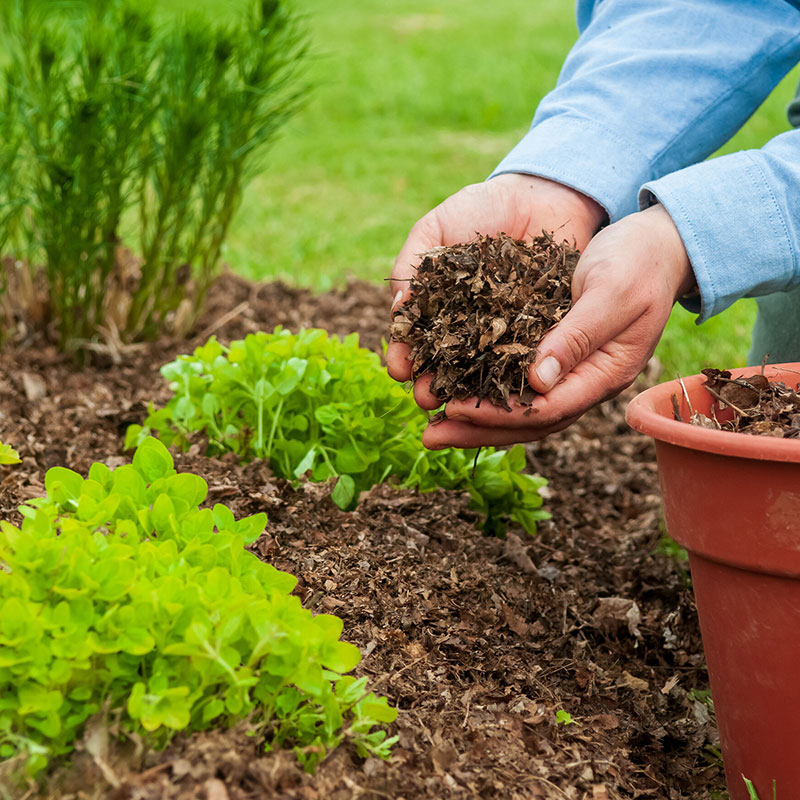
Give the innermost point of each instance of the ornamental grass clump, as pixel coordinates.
(130, 144)
(313, 404)
(121, 597)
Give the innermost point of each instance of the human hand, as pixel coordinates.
(624, 287)
(516, 204)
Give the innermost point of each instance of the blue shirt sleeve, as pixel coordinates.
(652, 87)
(739, 219)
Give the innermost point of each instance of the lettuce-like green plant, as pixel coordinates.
(119, 595)
(314, 404)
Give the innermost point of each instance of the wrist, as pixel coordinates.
(671, 245)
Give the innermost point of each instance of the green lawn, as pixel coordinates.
(413, 100)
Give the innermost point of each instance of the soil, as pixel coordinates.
(750, 404)
(478, 641)
(479, 310)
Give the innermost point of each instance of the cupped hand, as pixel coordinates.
(519, 205)
(624, 287)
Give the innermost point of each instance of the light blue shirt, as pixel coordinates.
(651, 89)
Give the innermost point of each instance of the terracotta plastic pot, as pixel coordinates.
(733, 501)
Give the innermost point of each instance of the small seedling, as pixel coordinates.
(8, 455)
(564, 717)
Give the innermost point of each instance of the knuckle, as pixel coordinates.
(579, 345)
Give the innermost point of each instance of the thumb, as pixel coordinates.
(424, 236)
(595, 319)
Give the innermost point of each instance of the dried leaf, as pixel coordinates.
(751, 404)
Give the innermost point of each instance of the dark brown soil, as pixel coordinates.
(478, 641)
(479, 310)
(750, 404)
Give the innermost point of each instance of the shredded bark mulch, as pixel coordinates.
(479, 310)
(750, 404)
(478, 641)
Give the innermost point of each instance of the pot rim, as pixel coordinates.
(642, 415)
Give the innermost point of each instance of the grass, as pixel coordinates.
(412, 101)
(753, 794)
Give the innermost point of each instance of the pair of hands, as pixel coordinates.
(626, 282)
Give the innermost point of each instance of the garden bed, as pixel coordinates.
(478, 641)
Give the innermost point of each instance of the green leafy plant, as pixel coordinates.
(115, 125)
(313, 404)
(8, 455)
(120, 596)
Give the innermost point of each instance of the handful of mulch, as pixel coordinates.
(759, 407)
(479, 311)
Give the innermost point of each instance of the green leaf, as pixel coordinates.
(340, 656)
(223, 518)
(306, 463)
(250, 528)
(63, 486)
(101, 474)
(377, 709)
(8, 455)
(152, 460)
(349, 459)
(192, 489)
(344, 492)
(162, 515)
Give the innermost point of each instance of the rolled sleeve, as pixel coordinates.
(584, 155)
(739, 219)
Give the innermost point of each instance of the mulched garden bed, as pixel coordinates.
(478, 641)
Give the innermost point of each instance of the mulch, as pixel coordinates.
(478, 641)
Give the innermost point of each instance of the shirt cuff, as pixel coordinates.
(584, 155)
(733, 229)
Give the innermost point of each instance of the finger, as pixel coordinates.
(595, 319)
(398, 364)
(602, 376)
(453, 433)
(423, 395)
(487, 414)
(599, 378)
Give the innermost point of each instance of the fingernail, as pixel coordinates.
(548, 372)
(397, 298)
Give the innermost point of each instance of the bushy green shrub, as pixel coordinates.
(114, 125)
(312, 403)
(119, 595)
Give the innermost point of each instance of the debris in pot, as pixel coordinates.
(758, 406)
(479, 310)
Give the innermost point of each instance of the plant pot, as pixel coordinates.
(733, 501)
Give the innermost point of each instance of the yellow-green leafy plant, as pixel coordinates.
(120, 595)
